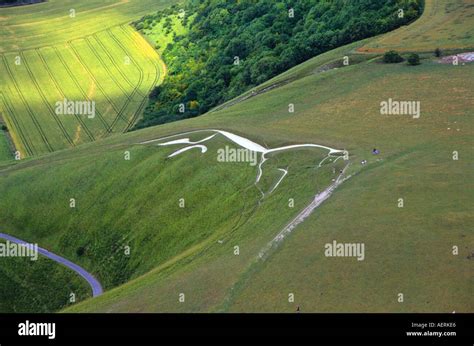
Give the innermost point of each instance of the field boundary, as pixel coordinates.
(140, 80)
(160, 73)
(23, 140)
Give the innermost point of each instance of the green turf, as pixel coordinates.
(215, 262)
(445, 24)
(55, 286)
(406, 248)
(155, 186)
(219, 200)
(341, 108)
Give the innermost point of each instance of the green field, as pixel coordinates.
(111, 65)
(417, 166)
(105, 219)
(50, 23)
(445, 24)
(191, 249)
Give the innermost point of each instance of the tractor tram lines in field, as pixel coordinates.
(61, 92)
(112, 60)
(95, 52)
(157, 74)
(43, 97)
(139, 83)
(108, 69)
(27, 105)
(135, 92)
(129, 97)
(141, 75)
(25, 141)
(84, 94)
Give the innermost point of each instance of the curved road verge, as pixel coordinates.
(91, 280)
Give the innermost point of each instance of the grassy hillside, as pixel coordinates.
(46, 58)
(405, 247)
(191, 250)
(341, 108)
(140, 207)
(55, 286)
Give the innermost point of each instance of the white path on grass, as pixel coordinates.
(285, 172)
(241, 141)
(318, 200)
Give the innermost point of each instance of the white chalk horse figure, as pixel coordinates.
(244, 143)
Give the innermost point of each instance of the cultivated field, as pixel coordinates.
(50, 23)
(48, 57)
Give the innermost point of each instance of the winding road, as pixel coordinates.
(91, 280)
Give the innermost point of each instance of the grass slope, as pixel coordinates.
(445, 24)
(405, 247)
(50, 292)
